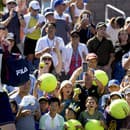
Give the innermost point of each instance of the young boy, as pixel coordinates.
(91, 112)
(52, 120)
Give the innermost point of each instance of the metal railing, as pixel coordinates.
(115, 9)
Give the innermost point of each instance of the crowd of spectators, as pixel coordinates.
(58, 37)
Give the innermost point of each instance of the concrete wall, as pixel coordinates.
(98, 8)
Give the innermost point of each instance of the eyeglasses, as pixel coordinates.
(75, 36)
(46, 58)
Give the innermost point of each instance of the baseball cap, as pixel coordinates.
(46, 55)
(100, 24)
(116, 93)
(43, 98)
(58, 2)
(91, 56)
(127, 20)
(10, 36)
(74, 31)
(48, 11)
(34, 4)
(127, 91)
(9, 1)
(113, 82)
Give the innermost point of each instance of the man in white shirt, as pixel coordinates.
(48, 43)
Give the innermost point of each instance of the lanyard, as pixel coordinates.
(76, 55)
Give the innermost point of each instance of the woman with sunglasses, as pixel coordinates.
(75, 54)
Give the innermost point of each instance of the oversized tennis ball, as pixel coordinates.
(93, 124)
(119, 109)
(72, 123)
(48, 82)
(101, 76)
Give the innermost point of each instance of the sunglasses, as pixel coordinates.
(11, 3)
(46, 58)
(75, 36)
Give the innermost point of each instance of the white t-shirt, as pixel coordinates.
(44, 42)
(49, 123)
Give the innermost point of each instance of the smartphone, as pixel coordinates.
(85, 66)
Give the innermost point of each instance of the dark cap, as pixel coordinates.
(101, 24)
(58, 2)
(48, 11)
(43, 98)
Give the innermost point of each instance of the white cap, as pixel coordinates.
(127, 91)
(8, 1)
(34, 4)
(127, 19)
(64, 83)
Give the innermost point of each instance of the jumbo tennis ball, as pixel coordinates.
(101, 76)
(93, 124)
(48, 82)
(119, 109)
(72, 123)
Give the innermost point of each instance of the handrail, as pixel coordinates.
(115, 9)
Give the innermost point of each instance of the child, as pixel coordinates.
(71, 113)
(44, 104)
(52, 120)
(111, 122)
(91, 112)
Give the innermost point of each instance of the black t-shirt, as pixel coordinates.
(93, 91)
(103, 49)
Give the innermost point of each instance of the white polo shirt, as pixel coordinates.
(49, 123)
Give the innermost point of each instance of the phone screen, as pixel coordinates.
(85, 66)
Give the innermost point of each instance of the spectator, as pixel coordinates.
(63, 20)
(29, 113)
(65, 95)
(120, 49)
(49, 17)
(126, 60)
(111, 122)
(91, 112)
(76, 9)
(125, 122)
(85, 26)
(112, 30)
(103, 48)
(75, 53)
(52, 120)
(52, 44)
(34, 21)
(13, 19)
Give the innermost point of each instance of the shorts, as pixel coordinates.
(29, 46)
(6, 115)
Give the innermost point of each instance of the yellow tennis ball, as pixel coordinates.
(119, 108)
(93, 125)
(41, 64)
(48, 82)
(72, 123)
(101, 76)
